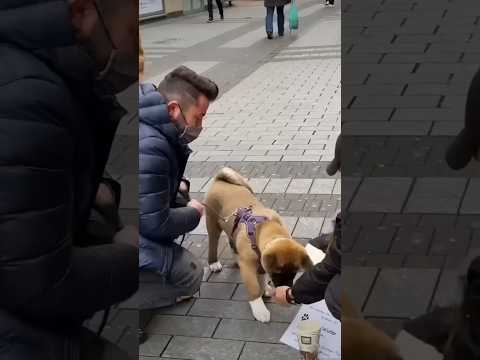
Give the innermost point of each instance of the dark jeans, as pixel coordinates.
(210, 8)
(280, 19)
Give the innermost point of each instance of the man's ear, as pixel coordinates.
(84, 17)
(173, 109)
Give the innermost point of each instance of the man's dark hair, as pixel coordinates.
(185, 86)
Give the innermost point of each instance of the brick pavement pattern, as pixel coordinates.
(276, 122)
(406, 68)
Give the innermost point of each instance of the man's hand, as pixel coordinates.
(197, 205)
(281, 295)
(105, 204)
(128, 235)
(183, 190)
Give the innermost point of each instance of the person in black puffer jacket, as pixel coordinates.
(58, 118)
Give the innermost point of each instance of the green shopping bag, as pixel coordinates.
(293, 16)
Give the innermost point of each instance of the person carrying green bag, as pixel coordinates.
(293, 16)
(271, 5)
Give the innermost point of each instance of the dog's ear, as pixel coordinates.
(306, 263)
(269, 261)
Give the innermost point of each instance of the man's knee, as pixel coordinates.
(187, 272)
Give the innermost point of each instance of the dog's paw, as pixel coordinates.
(259, 310)
(215, 267)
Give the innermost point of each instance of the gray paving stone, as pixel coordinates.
(374, 240)
(227, 275)
(182, 325)
(217, 290)
(425, 115)
(448, 289)
(451, 242)
(389, 101)
(446, 129)
(308, 227)
(280, 313)
(203, 349)
(299, 186)
(222, 309)
(424, 261)
(258, 184)
(322, 186)
(247, 330)
(381, 195)
(241, 294)
(361, 115)
(470, 203)
(436, 195)
(357, 282)
(384, 261)
(277, 186)
(412, 241)
(392, 294)
(258, 351)
(290, 222)
(154, 345)
(179, 309)
(386, 129)
(196, 184)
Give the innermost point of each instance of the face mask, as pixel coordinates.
(187, 133)
(121, 70)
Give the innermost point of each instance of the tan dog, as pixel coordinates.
(361, 340)
(281, 256)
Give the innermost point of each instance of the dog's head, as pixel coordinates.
(283, 259)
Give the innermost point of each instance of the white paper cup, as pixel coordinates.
(309, 339)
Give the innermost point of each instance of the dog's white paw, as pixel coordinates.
(216, 266)
(259, 310)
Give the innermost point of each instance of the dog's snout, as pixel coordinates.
(283, 279)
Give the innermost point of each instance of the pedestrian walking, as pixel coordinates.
(210, 9)
(271, 5)
(330, 3)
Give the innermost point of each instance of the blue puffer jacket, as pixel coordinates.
(162, 162)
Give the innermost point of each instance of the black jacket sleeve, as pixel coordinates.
(158, 220)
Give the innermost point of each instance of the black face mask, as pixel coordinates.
(121, 70)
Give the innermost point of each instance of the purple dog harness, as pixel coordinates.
(245, 216)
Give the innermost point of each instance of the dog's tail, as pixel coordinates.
(232, 177)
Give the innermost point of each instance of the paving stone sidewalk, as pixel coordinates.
(276, 123)
(411, 220)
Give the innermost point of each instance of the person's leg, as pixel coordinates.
(220, 8)
(269, 20)
(186, 274)
(280, 20)
(210, 9)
